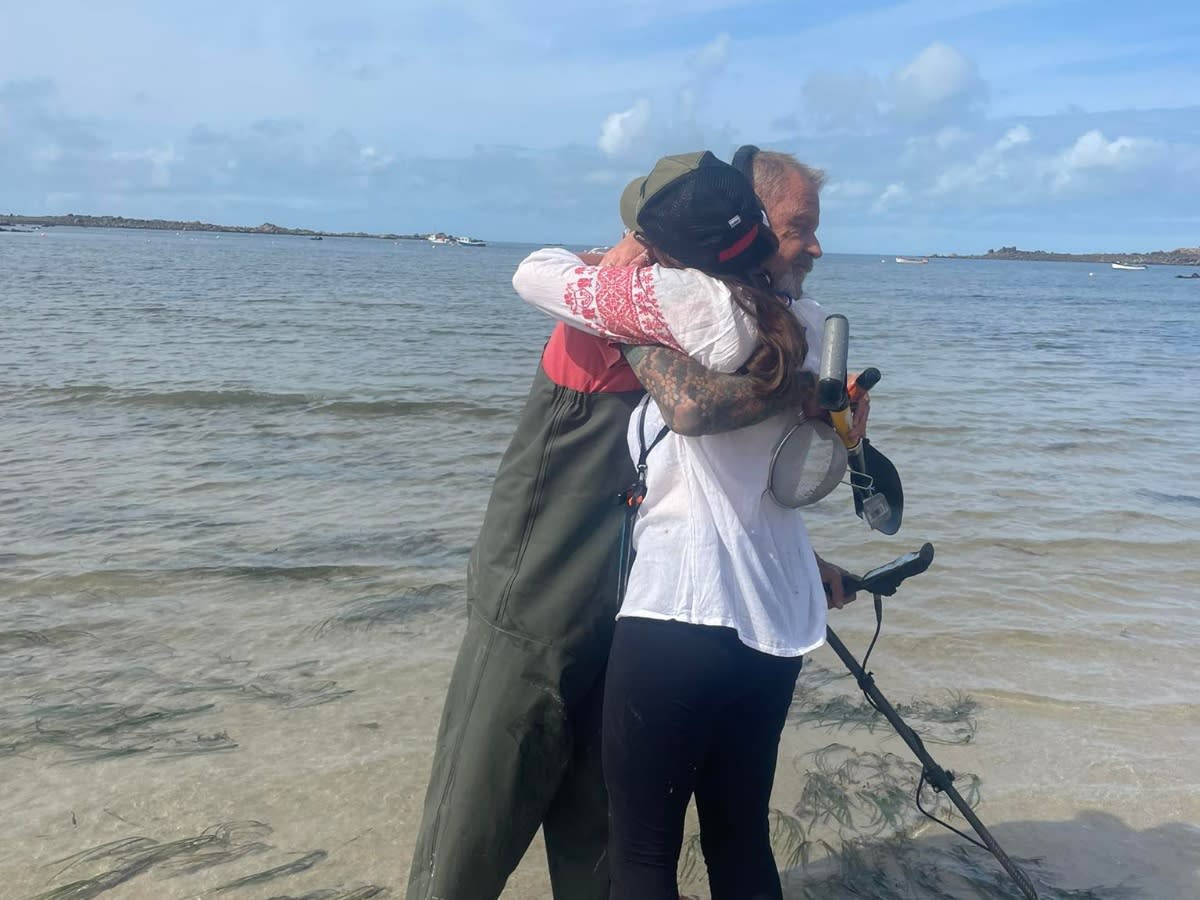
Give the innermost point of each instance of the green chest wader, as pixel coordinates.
(519, 742)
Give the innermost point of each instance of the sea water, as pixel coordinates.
(240, 476)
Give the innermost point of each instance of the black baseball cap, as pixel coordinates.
(701, 211)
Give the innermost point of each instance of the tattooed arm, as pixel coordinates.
(695, 400)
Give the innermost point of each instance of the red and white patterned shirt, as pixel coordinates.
(678, 308)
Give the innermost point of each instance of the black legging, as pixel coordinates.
(691, 709)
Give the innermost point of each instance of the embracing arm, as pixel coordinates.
(641, 304)
(695, 400)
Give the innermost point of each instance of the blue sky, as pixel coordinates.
(944, 125)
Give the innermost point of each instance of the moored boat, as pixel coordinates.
(1127, 267)
(913, 260)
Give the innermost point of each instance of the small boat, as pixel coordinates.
(913, 260)
(440, 238)
(471, 242)
(317, 238)
(1193, 275)
(1129, 268)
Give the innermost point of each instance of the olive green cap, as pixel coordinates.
(665, 172)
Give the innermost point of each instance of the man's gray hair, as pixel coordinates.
(771, 171)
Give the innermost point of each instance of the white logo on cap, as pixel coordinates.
(735, 221)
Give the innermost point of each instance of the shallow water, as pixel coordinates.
(240, 476)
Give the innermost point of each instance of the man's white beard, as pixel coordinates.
(791, 281)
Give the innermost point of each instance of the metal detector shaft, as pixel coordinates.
(938, 777)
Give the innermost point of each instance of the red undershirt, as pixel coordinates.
(587, 363)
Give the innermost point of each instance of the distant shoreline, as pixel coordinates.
(1183, 256)
(21, 223)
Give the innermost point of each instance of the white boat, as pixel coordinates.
(471, 242)
(1130, 268)
(913, 260)
(440, 239)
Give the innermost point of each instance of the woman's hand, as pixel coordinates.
(835, 591)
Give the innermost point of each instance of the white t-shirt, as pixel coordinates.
(712, 547)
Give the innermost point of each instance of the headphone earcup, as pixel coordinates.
(743, 160)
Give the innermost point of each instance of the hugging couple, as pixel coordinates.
(595, 699)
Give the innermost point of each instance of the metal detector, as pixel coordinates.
(882, 582)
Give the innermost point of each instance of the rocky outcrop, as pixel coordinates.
(78, 221)
(1183, 256)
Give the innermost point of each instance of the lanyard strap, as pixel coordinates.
(631, 498)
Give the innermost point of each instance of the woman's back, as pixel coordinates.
(712, 547)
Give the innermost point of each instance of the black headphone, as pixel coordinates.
(743, 160)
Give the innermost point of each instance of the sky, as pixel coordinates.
(944, 126)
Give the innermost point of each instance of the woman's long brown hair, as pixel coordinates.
(782, 343)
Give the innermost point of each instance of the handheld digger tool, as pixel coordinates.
(874, 481)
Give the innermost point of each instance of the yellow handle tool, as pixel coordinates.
(834, 396)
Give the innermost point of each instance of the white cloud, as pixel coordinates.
(944, 144)
(712, 58)
(1014, 137)
(1093, 152)
(943, 147)
(848, 188)
(940, 82)
(891, 193)
(371, 159)
(990, 168)
(622, 131)
(678, 116)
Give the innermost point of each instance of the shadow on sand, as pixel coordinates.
(1094, 856)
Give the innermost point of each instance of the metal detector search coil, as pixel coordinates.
(883, 581)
